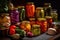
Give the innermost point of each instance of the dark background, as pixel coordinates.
(55, 3)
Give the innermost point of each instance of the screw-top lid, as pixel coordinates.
(31, 18)
(30, 3)
(39, 8)
(41, 19)
(48, 17)
(35, 25)
(25, 22)
(47, 4)
(21, 7)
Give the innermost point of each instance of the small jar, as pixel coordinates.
(25, 26)
(39, 12)
(49, 21)
(36, 29)
(54, 15)
(32, 21)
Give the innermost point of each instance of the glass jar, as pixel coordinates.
(54, 15)
(32, 21)
(49, 21)
(47, 9)
(30, 9)
(14, 15)
(6, 20)
(25, 25)
(21, 10)
(39, 12)
(36, 29)
(43, 24)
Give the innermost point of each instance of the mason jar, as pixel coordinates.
(22, 15)
(54, 15)
(47, 9)
(30, 9)
(43, 24)
(39, 12)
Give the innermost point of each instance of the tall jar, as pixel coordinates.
(30, 9)
(39, 12)
(14, 14)
(47, 9)
(21, 10)
(54, 15)
(43, 24)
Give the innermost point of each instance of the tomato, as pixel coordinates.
(12, 31)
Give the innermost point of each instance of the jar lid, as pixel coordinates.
(41, 19)
(39, 8)
(21, 7)
(35, 25)
(25, 22)
(47, 3)
(30, 3)
(31, 18)
(48, 17)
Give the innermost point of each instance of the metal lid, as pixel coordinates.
(47, 3)
(48, 17)
(25, 22)
(41, 19)
(30, 3)
(21, 7)
(35, 25)
(39, 8)
(31, 18)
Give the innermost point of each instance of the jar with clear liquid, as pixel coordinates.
(54, 15)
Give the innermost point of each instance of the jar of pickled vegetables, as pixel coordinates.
(25, 26)
(36, 29)
(47, 9)
(54, 14)
(14, 15)
(39, 12)
(30, 9)
(6, 19)
(43, 24)
(49, 21)
(21, 10)
(32, 21)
